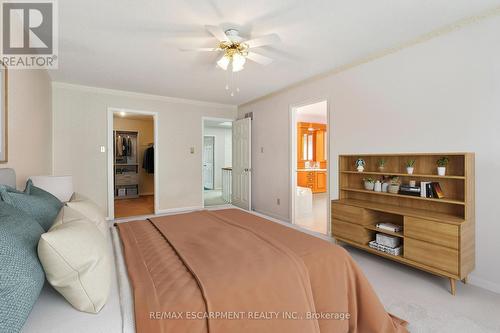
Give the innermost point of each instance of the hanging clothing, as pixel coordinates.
(124, 146)
(129, 146)
(148, 162)
(119, 146)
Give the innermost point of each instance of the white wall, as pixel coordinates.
(80, 124)
(30, 124)
(222, 151)
(440, 95)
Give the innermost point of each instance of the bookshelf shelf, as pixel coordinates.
(438, 235)
(387, 232)
(448, 201)
(403, 175)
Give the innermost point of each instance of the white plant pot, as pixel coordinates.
(409, 170)
(441, 171)
(377, 187)
(369, 186)
(361, 168)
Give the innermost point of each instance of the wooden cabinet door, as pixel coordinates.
(319, 146)
(302, 178)
(321, 182)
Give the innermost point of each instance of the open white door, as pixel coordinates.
(208, 162)
(242, 163)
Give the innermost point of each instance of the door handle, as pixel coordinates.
(247, 170)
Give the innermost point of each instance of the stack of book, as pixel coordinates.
(410, 190)
(389, 226)
(431, 190)
(386, 243)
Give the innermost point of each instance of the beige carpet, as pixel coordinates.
(424, 300)
(213, 198)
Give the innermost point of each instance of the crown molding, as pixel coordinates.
(455, 26)
(125, 93)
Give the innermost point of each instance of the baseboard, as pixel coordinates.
(178, 210)
(291, 225)
(485, 284)
(274, 216)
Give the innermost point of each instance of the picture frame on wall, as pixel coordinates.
(3, 114)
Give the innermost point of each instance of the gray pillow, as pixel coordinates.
(21, 274)
(35, 202)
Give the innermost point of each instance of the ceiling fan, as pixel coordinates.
(235, 49)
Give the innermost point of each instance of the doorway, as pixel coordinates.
(132, 161)
(310, 186)
(217, 161)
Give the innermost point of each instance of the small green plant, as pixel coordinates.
(394, 180)
(381, 162)
(443, 161)
(369, 180)
(410, 163)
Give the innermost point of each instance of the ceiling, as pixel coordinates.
(133, 45)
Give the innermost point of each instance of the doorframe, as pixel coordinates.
(293, 155)
(213, 159)
(203, 119)
(110, 164)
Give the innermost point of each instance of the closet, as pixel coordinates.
(126, 164)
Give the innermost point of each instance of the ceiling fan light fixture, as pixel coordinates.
(238, 62)
(224, 62)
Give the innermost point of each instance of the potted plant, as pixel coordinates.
(394, 185)
(369, 183)
(381, 165)
(360, 164)
(410, 166)
(442, 163)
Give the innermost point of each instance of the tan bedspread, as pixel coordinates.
(231, 271)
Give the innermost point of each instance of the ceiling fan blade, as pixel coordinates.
(199, 49)
(258, 58)
(217, 32)
(263, 40)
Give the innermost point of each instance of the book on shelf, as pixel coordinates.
(437, 191)
(389, 226)
(423, 189)
(431, 190)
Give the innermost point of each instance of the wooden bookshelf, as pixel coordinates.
(438, 234)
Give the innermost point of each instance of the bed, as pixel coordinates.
(52, 313)
(232, 271)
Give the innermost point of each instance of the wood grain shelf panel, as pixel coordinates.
(405, 211)
(404, 174)
(448, 201)
(387, 232)
(401, 259)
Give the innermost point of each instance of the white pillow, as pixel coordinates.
(91, 211)
(77, 264)
(59, 186)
